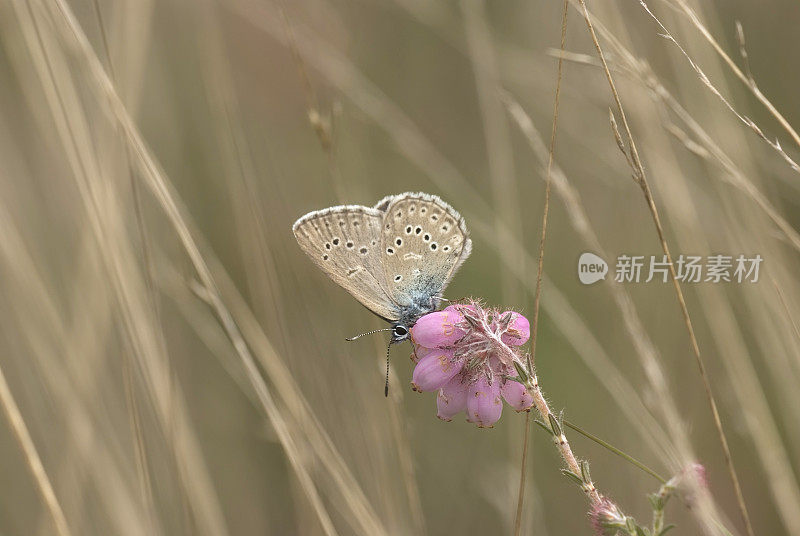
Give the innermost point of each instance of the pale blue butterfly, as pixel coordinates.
(395, 258)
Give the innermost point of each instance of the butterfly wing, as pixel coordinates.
(345, 242)
(424, 241)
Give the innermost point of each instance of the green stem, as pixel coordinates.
(616, 451)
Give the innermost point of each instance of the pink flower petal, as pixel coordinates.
(516, 395)
(434, 370)
(420, 352)
(455, 307)
(483, 403)
(438, 329)
(519, 330)
(452, 399)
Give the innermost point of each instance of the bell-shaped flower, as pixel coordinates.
(518, 331)
(484, 406)
(452, 399)
(438, 329)
(435, 369)
(516, 395)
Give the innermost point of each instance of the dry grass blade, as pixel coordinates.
(238, 164)
(540, 264)
(500, 159)
(752, 404)
(35, 465)
(746, 78)
(642, 180)
(128, 371)
(105, 218)
(154, 180)
(776, 146)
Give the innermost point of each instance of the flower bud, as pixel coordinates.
(434, 370)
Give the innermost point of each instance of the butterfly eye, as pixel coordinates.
(399, 332)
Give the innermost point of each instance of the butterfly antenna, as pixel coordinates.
(386, 385)
(367, 333)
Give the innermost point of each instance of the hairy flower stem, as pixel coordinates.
(560, 439)
(531, 382)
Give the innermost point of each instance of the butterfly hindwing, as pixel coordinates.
(345, 242)
(423, 242)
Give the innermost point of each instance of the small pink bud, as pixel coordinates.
(452, 399)
(606, 518)
(700, 474)
(438, 329)
(434, 370)
(690, 482)
(516, 395)
(484, 406)
(519, 330)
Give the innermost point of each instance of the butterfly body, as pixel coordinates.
(395, 258)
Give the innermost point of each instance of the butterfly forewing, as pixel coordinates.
(345, 242)
(424, 241)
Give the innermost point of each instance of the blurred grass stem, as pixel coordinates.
(540, 266)
(641, 179)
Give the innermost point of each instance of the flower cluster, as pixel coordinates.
(467, 353)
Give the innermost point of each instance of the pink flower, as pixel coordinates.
(438, 329)
(516, 395)
(606, 518)
(435, 369)
(452, 399)
(468, 354)
(519, 330)
(483, 402)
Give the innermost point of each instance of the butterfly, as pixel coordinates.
(396, 258)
